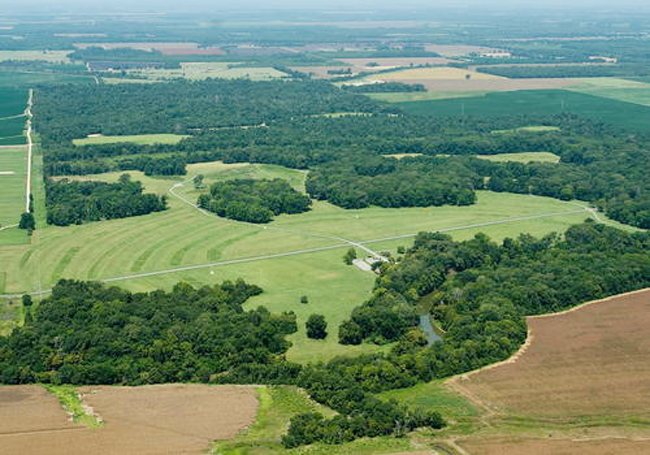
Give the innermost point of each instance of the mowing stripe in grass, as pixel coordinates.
(64, 262)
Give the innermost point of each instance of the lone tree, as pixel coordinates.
(27, 300)
(350, 256)
(198, 181)
(316, 327)
(304, 299)
(27, 221)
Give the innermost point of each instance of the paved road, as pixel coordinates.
(28, 113)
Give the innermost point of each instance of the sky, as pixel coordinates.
(312, 4)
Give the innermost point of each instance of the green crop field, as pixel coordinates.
(13, 169)
(135, 139)
(524, 157)
(619, 113)
(637, 92)
(316, 241)
(28, 80)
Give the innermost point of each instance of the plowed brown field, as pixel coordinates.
(593, 360)
(611, 446)
(149, 420)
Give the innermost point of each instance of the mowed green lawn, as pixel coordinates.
(145, 139)
(183, 236)
(625, 115)
(13, 171)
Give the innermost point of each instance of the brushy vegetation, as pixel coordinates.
(69, 398)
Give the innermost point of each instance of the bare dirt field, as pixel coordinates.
(164, 48)
(456, 50)
(590, 361)
(149, 420)
(30, 408)
(510, 446)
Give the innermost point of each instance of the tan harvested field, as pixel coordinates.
(457, 50)
(162, 47)
(447, 79)
(384, 63)
(587, 362)
(148, 420)
(510, 446)
(29, 408)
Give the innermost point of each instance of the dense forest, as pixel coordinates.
(88, 334)
(70, 202)
(255, 201)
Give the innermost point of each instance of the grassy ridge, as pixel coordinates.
(539, 102)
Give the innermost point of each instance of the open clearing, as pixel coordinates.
(145, 139)
(591, 361)
(205, 70)
(13, 167)
(137, 420)
(167, 48)
(45, 56)
(547, 102)
(524, 157)
(155, 251)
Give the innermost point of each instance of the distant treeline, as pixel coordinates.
(560, 71)
(70, 202)
(386, 87)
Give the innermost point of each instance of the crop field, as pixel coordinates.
(586, 362)
(401, 97)
(12, 122)
(136, 139)
(637, 92)
(167, 242)
(13, 169)
(204, 70)
(546, 446)
(618, 113)
(524, 157)
(451, 80)
(26, 80)
(150, 419)
(167, 48)
(45, 56)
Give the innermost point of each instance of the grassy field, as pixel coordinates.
(13, 170)
(277, 405)
(528, 129)
(45, 56)
(401, 97)
(135, 139)
(204, 70)
(182, 236)
(524, 157)
(637, 92)
(26, 80)
(446, 73)
(619, 113)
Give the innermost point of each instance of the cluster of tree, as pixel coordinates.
(70, 202)
(86, 333)
(255, 201)
(387, 87)
(387, 182)
(480, 280)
